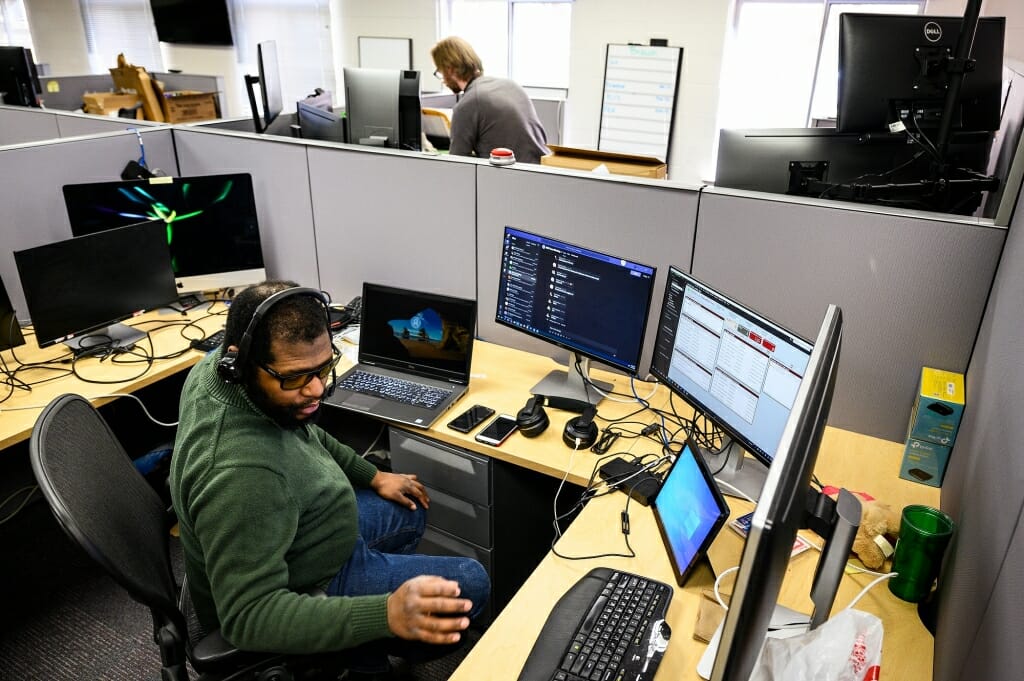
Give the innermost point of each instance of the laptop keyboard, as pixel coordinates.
(394, 389)
(614, 629)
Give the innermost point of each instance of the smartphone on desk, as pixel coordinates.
(471, 418)
(498, 430)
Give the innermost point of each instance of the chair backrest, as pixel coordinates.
(103, 503)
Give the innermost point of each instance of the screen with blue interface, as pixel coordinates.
(739, 368)
(588, 302)
(690, 511)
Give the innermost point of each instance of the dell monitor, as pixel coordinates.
(382, 107)
(211, 226)
(77, 290)
(592, 304)
(10, 329)
(19, 82)
(784, 508)
(319, 124)
(269, 80)
(897, 68)
(740, 369)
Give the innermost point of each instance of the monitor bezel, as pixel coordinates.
(629, 369)
(753, 449)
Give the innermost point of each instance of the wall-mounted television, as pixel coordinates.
(195, 22)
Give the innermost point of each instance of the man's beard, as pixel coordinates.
(286, 417)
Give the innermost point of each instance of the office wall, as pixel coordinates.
(648, 221)
(58, 35)
(1013, 10)
(912, 289)
(280, 181)
(31, 177)
(699, 27)
(390, 219)
(980, 615)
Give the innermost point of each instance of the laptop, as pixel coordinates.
(423, 342)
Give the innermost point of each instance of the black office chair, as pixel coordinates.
(108, 509)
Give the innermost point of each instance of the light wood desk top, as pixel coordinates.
(16, 424)
(858, 462)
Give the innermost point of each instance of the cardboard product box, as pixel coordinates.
(183, 106)
(109, 103)
(924, 462)
(617, 163)
(938, 407)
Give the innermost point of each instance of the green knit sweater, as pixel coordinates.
(266, 513)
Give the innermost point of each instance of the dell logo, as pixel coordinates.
(932, 32)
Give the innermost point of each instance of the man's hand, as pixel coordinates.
(426, 608)
(401, 489)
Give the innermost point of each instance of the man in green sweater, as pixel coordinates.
(270, 506)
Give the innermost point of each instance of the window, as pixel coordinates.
(14, 24)
(302, 31)
(114, 27)
(781, 64)
(507, 34)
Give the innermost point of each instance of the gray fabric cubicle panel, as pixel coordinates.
(19, 124)
(393, 218)
(31, 177)
(280, 180)
(648, 221)
(980, 614)
(73, 125)
(912, 289)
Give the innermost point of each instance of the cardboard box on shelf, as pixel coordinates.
(183, 106)
(109, 103)
(620, 164)
(938, 406)
(128, 77)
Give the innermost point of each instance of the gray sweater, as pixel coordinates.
(496, 112)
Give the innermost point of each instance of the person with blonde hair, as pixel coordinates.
(492, 112)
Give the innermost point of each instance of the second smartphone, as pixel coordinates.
(498, 430)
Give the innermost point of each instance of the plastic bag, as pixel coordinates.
(848, 647)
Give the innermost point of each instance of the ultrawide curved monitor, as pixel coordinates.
(212, 230)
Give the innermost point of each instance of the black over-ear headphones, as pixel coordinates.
(229, 366)
(532, 419)
(581, 427)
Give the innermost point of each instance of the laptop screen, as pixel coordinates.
(425, 333)
(690, 511)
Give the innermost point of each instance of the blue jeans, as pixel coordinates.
(383, 560)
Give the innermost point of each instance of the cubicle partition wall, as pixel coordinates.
(65, 92)
(981, 593)
(647, 220)
(280, 179)
(912, 288)
(19, 124)
(386, 217)
(31, 177)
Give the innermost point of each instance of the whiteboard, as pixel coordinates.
(385, 53)
(638, 105)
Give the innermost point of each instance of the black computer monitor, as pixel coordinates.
(212, 229)
(382, 107)
(737, 367)
(78, 289)
(592, 304)
(269, 81)
(10, 329)
(894, 67)
(19, 81)
(316, 123)
(778, 515)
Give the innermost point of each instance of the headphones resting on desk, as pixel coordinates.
(583, 428)
(230, 365)
(532, 419)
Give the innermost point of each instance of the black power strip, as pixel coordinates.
(630, 477)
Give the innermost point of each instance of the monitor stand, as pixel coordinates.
(572, 390)
(115, 335)
(743, 477)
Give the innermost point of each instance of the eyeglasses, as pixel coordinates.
(438, 75)
(301, 380)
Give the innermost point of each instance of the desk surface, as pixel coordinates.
(18, 412)
(854, 461)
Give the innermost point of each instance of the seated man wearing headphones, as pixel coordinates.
(270, 506)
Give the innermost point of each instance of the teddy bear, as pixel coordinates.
(879, 527)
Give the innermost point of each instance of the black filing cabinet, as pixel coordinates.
(496, 512)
